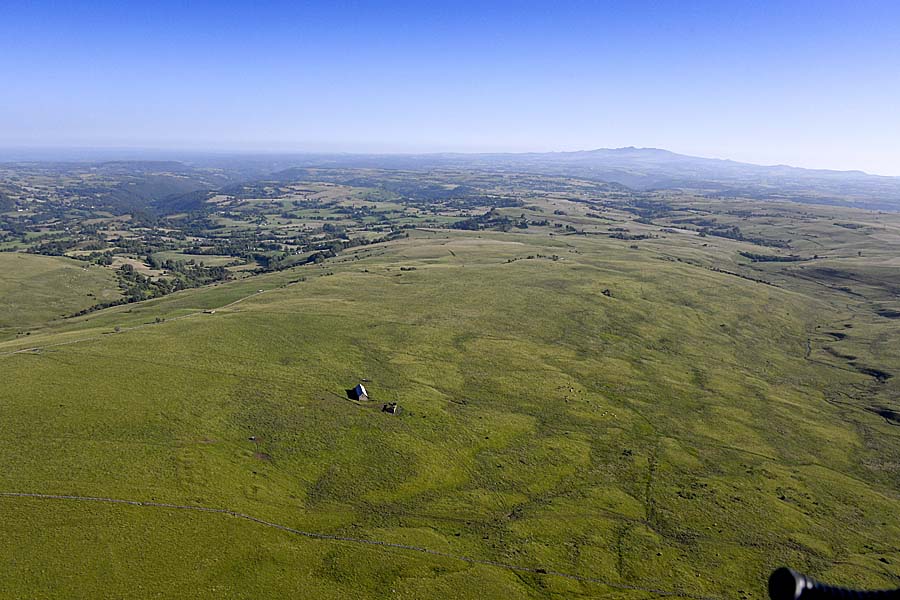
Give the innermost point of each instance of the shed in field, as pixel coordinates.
(359, 393)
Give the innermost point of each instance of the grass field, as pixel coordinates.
(37, 289)
(680, 434)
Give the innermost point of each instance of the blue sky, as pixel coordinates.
(806, 83)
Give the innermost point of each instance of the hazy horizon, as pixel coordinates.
(111, 153)
(808, 86)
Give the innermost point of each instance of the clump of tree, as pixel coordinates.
(137, 287)
(333, 248)
(850, 225)
(707, 227)
(492, 219)
(632, 236)
(753, 256)
(53, 247)
(734, 232)
(647, 209)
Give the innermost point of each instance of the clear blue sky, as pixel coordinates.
(806, 83)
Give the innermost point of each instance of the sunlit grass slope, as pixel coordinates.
(670, 435)
(35, 289)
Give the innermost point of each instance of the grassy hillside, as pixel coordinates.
(671, 435)
(35, 289)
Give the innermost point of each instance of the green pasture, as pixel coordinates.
(35, 290)
(671, 434)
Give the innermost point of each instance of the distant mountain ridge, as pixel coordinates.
(640, 169)
(654, 168)
(658, 155)
(644, 169)
(651, 167)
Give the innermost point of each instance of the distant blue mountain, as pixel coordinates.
(648, 169)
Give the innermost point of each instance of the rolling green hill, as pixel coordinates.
(581, 416)
(35, 289)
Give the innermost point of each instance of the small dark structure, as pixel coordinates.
(391, 408)
(358, 393)
(607, 293)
